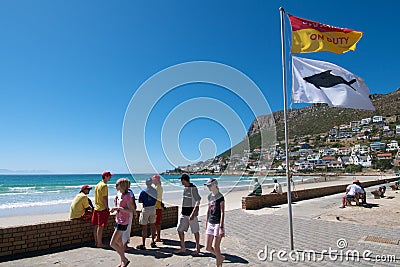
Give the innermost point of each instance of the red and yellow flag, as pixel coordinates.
(310, 36)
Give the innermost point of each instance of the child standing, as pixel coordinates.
(215, 220)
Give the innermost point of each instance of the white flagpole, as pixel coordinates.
(289, 191)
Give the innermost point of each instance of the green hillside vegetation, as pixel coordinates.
(314, 120)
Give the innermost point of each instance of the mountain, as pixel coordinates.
(7, 171)
(322, 118)
(316, 119)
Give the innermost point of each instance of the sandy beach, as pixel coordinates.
(388, 206)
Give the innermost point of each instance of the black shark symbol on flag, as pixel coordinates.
(326, 79)
(317, 81)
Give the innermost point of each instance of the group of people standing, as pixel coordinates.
(151, 214)
(124, 209)
(214, 221)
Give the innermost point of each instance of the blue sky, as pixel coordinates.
(70, 68)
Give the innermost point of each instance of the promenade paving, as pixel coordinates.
(247, 235)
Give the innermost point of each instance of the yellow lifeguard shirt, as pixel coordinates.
(100, 191)
(78, 206)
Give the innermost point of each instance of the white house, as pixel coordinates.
(326, 151)
(366, 121)
(363, 150)
(344, 151)
(354, 124)
(335, 165)
(392, 146)
(355, 159)
(377, 118)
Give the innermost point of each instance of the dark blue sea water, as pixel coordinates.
(38, 194)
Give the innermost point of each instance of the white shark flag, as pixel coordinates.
(316, 81)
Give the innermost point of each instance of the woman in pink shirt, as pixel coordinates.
(124, 208)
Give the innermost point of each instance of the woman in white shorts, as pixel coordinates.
(215, 220)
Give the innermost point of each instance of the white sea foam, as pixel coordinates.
(21, 188)
(34, 204)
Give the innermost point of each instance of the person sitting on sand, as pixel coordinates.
(124, 208)
(351, 192)
(215, 220)
(257, 189)
(148, 198)
(81, 206)
(277, 187)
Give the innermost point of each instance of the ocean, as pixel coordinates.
(53, 193)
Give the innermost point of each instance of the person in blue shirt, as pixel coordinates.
(148, 198)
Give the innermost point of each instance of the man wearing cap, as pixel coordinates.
(81, 204)
(148, 198)
(190, 211)
(159, 206)
(101, 211)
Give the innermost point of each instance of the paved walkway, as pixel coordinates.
(247, 235)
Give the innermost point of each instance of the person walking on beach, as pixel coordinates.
(101, 211)
(126, 235)
(124, 208)
(159, 206)
(257, 189)
(81, 206)
(190, 209)
(277, 187)
(215, 220)
(148, 198)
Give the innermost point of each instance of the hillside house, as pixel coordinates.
(392, 146)
(303, 166)
(377, 118)
(335, 164)
(355, 159)
(328, 159)
(303, 153)
(366, 121)
(344, 127)
(363, 150)
(355, 124)
(326, 151)
(377, 146)
(366, 128)
(384, 156)
(344, 151)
